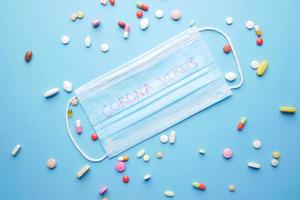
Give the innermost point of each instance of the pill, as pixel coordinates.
(250, 24)
(65, 39)
(139, 14)
(112, 2)
(199, 186)
(51, 163)
(229, 20)
(104, 47)
(231, 188)
(169, 193)
(28, 56)
(73, 17)
(94, 136)
(176, 15)
(103, 2)
(95, 23)
(147, 177)
(123, 158)
(258, 31)
(254, 165)
(201, 151)
(146, 157)
(241, 123)
(141, 153)
(172, 137)
(16, 150)
(262, 68)
(159, 155)
(80, 14)
(83, 171)
(164, 138)
(287, 109)
(120, 166)
(142, 6)
(276, 154)
(103, 190)
(121, 24)
(67, 85)
(104, 198)
(74, 101)
(144, 23)
(274, 162)
(159, 13)
(230, 76)
(254, 64)
(257, 144)
(192, 23)
(227, 153)
(70, 113)
(78, 126)
(51, 92)
(259, 41)
(227, 48)
(87, 41)
(126, 31)
(125, 179)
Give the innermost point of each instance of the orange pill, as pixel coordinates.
(227, 48)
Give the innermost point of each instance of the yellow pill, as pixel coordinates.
(262, 68)
(286, 109)
(276, 154)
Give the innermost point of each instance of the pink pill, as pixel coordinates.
(176, 15)
(227, 153)
(102, 190)
(120, 166)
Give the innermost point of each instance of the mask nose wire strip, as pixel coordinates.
(233, 51)
(75, 143)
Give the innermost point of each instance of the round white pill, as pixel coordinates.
(274, 162)
(65, 39)
(144, 23)
(230, 76)
(231, 188)
(164, 138)
(51, 163)
(67, 85)
(104, 47)
(254, 64)
(159, 155)
(87, 41)
(229, 20)
(250, 24)
(146, 157)
(257, 144)
(159, 13)
(169, 193)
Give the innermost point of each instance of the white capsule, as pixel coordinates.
(169, 193)
(141, 153)
(16, 150)
(144, 23)
(254, 64)
(254, 165)
(257, 144)
(274, 162)
(67, 85)
(104, 47)
(159, 14)
(230, 76)
(229, 20)
(172, 137)
(65, 39)
(147, 177)
(87, 41)
(164, 138)
(250, 24)
(146, 157)
(51, 92)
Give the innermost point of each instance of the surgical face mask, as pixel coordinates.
(153, 92)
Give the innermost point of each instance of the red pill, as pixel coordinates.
(121, 24)
(139, 14)
(94, 136)
(142, 6)
(28, 55)
(259, 41)
(112, 2)
(227, 48)
(240, 126)
(202, 186)
(125, 179)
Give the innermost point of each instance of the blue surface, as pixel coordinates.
(38, 124)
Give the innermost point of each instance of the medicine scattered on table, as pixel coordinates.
(95, 23)
(28, 56)
(94, 136)
(250, 24)
(172, 137)
(51, 92)
(147, 177)
(104, 47)
(51, 163)
(164, 138)
(241, 123)
(229, 20)
(87, 41)
(126, 31)
(70, 113)
(254, 64)
(169, 193)
(254, 165)
(274, 162)
(142, 6)
(276, 154)
(67, 85)
(199, 186)
(262, 68)
(123, 158)
(103, 190)
(120, 166)
(65, 39)
(78, 126)
(159, 14)
(125, 179)
(227, 153)
(74, 101)
(141, 153)
(159, 155)
(201, 151)
(144, 23)
(16, 150)
(287, 109)
(257, 144)
(83, 171)
(176, 15)
(146, 157)
(231, 188)
(230, 76)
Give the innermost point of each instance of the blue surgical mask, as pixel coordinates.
(153, 92)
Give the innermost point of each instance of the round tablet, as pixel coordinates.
(120, 166)
(159, 13)
(254, 64)
(146, 157)
(230, 76)
(164, 138)
(159, 155)
(229, 20)
(276, 154)
(144, 23)
(176, 15)
(74, 101)
(231, 188)
(104, 47)
(65, 39)
(51, 163)
(274, 162)
(227, 153)
(250, 24)
(257, 144)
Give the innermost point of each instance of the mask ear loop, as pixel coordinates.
(233, 51)
(75, 143)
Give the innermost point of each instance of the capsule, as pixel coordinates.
(241, 123)
(258, 30)
(126, 31)
(121, 24)
(123, 158)
(254, 165)
(16, 150)
(83, 171)
(286, 109)
(142, 6)
(28, 56)
(262, 68)
(200, 186)
(78, 127)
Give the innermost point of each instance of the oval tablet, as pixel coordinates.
(254, 165)
(146, 157)
(51, 92)
(230, 76)
(144, 23)
(172, 137)
(67, 85)
(169, 193)
(262, 68)
(141, 153)
(87, 41)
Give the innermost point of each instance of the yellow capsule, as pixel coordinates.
(262, 68)
(70, 113)
(123, 158)
(276, 154)
(258, 31)
(286, 109)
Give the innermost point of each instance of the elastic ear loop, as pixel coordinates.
(75, 143)
(233, 51)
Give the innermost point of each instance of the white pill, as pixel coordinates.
(159, 13)
(51, 163)
(147, 177)
(169, 193)
(104, 47)
(254, 165)
(141, 153)
(73, 16)
(250, 24)
(201, 151)
(229, 20)
(146, 157)
(87, 41)
(67, 85)
(254, 64)
(16, 150)
(172, 137)
(144, 23)
(192, 23)
(159, 155)
(256, 144)
(65, 39)
(274, 162)
(51, 92)
(231, 188)
(230, 76)
(164, 138)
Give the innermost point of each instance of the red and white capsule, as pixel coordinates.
(126, 31)
(78, 126)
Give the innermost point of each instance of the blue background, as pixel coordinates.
(38, 123)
